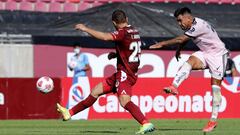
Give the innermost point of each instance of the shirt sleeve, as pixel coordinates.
(118, 35)
(86, 59)
(193, 32)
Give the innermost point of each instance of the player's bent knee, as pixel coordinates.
(196, 63)
(124, 99)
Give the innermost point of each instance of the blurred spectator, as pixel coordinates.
(231, 70)
(78, 63)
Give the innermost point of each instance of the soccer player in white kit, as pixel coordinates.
(212, 55)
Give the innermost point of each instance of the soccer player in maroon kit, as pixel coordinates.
(128, 43)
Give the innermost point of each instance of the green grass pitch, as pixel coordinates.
(115, 127)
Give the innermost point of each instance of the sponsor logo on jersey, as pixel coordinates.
(191, 30)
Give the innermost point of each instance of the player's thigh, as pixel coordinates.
(197, 61)
(124, 92)
(217, 66)
(104, 87)
(97, 90)
(108, 86)
(124, 99)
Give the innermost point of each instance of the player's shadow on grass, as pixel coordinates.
(98, 132)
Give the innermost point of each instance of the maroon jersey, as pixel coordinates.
(128, 50)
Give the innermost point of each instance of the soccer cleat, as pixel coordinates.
(210, 126)
(171, 90)
(65, 113)
(146, 128)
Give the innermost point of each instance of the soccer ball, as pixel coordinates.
(45, 84)
(72, 64)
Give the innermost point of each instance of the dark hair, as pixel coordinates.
(76, 45)
(119, 16)
(181, 11)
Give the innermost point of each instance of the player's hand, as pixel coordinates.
(112, 55)
(81, 27)
(156, 46)
(178, 55)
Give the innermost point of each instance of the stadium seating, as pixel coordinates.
(95, 4)
(12, 5)
(74, 1)
(47, 1)
(70, 7)
(81, 5)
(171, 0)
(227, 1)
(236, 1)
(41, 7)
(27, 6)
(55, 7)
(200, 1)
(33, 1)
(2, 5)
(213, 1)
(187, 1)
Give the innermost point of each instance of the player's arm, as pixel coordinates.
(177, 40)
(112, 55)
(86, 68)
(178, 52)
(97, 34)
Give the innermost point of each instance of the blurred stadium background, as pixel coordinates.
(36, 39)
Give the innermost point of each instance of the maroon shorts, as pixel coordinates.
(120, 83)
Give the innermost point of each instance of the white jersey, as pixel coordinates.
(205, 37)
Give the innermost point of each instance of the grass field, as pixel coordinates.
(112, 127)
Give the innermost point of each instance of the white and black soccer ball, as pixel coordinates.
(72, 64)
(45, 84)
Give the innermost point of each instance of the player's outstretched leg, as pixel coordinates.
(181, 75)
(65, 113)
(89, 101)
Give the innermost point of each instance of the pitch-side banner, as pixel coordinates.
(154, 63)
(194, 100)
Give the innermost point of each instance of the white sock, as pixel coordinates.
(182, 74)
(216, 90)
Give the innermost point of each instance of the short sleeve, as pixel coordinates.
(193, 32)
(118, 35)
(73, 58)
(197, 29)
(86, 59)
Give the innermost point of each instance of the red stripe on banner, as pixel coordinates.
(194, 100)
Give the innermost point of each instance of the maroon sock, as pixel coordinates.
(136, 113)
(89, 101)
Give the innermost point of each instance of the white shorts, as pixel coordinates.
(215, 62)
